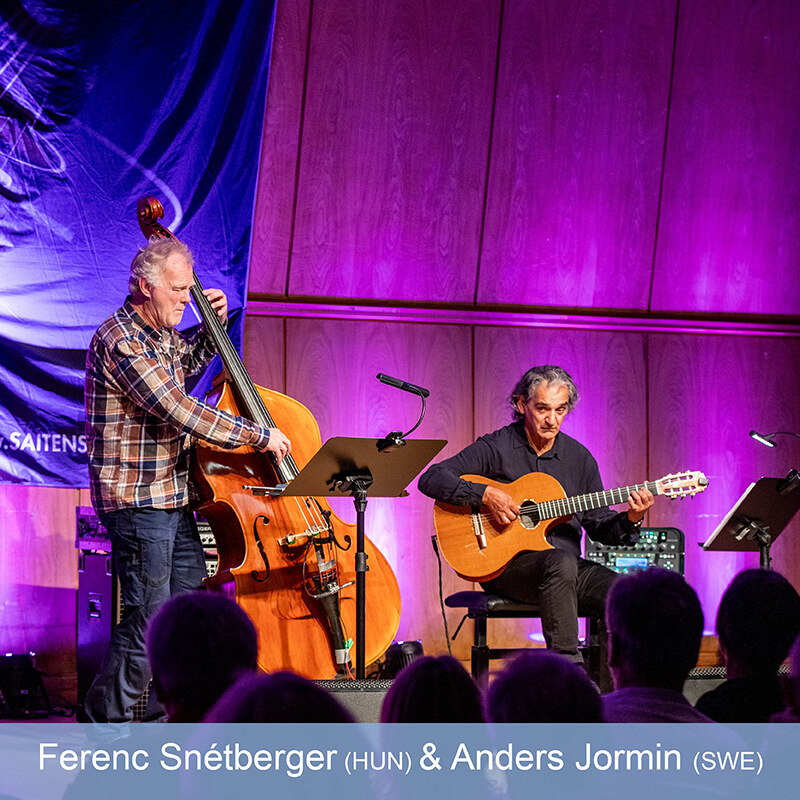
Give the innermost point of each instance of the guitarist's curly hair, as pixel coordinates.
(528, 384)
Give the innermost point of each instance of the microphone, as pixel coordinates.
(398, 384)
(763, 439)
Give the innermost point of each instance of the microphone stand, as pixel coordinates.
(360, 468)
(396, 439)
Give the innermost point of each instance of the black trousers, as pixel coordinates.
(558, 581)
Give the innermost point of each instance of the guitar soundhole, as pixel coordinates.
(529, 514)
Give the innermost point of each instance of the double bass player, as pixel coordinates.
(140, 423)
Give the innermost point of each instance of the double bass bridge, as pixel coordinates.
(292, 540)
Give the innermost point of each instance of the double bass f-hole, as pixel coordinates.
(264, 520)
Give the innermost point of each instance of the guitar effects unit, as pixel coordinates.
(657, 547)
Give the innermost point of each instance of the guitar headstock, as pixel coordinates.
(682, 484)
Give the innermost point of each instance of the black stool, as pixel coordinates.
(481, 607)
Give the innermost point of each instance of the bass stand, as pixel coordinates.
(362, 469)
(758, 518)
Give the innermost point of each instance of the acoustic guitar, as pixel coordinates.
(478, 548)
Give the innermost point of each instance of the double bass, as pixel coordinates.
(289, 562)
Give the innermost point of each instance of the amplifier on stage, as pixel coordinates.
(100, 604)
(657, 547)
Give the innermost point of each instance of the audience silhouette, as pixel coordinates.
(432, 690)
(757, 621)
(198, 645)
(203, 653)
(541, 686)
(277, 697)
(790, 684)
(655, 627)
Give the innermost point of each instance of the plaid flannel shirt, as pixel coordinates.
(139, 420)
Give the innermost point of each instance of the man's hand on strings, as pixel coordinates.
(219, 302)
(279, 445)
(500, 505)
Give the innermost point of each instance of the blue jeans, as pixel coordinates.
(157, 553)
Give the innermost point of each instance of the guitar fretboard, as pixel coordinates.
(567, 506)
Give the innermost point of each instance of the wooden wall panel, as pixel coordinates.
(609, 370)
(576, 153)
(39, 578)
(705, 394)
(331, 367)
(394, 149)
(729, 233)
(264, 351)
(274, 212)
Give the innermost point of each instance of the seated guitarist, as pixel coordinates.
(556, 578)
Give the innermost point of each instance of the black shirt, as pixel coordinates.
(506, 455)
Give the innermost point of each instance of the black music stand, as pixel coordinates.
(362, 468)
(758, 518)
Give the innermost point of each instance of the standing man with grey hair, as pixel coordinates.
(557, 579)
(140, 424)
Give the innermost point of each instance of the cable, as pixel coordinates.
(435, 546)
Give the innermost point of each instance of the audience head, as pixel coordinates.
(432, 690)
(278, 697)
(198, 644)
(757, 621)
(655, 627)
(538, 686)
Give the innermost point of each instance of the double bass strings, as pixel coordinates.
(287, 470)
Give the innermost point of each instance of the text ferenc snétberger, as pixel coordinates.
(294, 762)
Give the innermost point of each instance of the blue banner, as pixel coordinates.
(103, 102)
